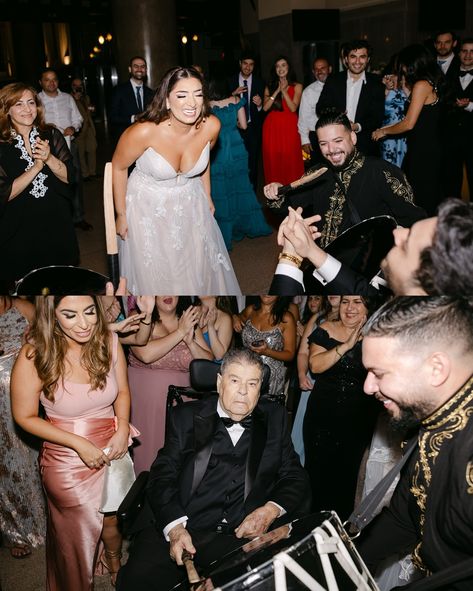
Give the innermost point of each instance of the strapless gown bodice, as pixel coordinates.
(152, 164)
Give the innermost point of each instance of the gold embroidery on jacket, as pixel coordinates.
(401, 189)
(469, 478)
(334, 215)
(451, 418)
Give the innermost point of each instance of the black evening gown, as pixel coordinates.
(423, 160)
(36, 227)
(338, 426)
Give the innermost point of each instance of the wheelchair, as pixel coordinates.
(203, 379)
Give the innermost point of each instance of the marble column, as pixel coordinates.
(147, 28)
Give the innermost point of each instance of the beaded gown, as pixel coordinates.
(275, 340)
(22, 503)
(237, 209)
(174, 245)
(338, 426)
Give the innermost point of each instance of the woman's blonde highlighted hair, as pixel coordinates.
(50, 346)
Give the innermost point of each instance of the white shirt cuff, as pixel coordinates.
(469, 107)
(282, 511)
(290, 271)
(169, 526)
(328, 271)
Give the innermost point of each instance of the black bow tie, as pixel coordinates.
(465, 72)
(245, 423)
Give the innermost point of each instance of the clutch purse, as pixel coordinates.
(119, 477)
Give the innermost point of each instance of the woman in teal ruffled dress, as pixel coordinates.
(237, 210)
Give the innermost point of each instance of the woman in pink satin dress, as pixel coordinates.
(175, 340)
(76, 368)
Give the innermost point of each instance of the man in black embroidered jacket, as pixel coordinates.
(418, 352)
(212, 483)
(356, 187)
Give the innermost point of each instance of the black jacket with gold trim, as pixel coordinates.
(431, 511)
(372, 186)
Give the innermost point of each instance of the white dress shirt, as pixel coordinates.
(141, 87)
(61, 110)
(307, 115)
(353, 95)
(446, 62)
(465, 81)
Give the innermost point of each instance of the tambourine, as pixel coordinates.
(361, 248)
(61, 280)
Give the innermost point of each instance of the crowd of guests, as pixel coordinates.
(415, 114)
(64, 348)
(88, 378)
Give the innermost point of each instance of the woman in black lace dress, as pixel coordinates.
(36, 226)
(340, 418)
(424, 82)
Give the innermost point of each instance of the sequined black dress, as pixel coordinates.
(338, 426)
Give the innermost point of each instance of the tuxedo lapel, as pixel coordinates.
(204, 429)
(257, 444)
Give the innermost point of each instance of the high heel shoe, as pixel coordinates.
(111, 555)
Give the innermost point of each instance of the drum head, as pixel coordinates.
(363, 246)
(62, 280)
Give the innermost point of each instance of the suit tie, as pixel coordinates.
(465, 72)
(247, 106)
(139, 102)
(245, 423)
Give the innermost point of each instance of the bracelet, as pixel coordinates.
(271, 98)
(291, 257)
(338, 352)
(146, 323)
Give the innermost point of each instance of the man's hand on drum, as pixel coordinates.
(180, 540)
(258, 521)
(271, 191)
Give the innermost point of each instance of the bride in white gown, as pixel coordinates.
(170, 241)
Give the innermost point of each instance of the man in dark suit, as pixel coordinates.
(358, 92)
(445, 44)
(246, 83)
(433, 257)
(130, 98)
(459, 125)
(227, 471)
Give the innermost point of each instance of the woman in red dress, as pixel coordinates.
(282, 152)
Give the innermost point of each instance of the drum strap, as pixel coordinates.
(367, 509)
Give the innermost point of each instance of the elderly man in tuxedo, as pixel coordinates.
(227, 471)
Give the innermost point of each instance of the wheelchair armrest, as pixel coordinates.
(133, 502)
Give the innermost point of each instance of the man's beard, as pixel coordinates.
(411, 416)
(406, 420)
(348, 160)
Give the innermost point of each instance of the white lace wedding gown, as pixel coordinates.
(174, 245)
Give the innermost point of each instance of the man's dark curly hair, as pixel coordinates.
(446, 267)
